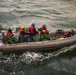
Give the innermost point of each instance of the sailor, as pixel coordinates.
(23, 35)
(72, 32)
(10, 37)
(44, 33)
(33, 32)
(69, 34)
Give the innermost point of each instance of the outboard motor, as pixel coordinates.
(59, 33)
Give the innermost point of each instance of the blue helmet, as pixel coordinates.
(44, 26)
(33, 24)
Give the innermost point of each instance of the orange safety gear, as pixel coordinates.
(31, 30)
(22, 31)
(43, 31)
(10, 34)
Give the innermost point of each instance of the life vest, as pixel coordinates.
(22, 31)
(74, 34)
(10, 34)
(65, 35)
(43, 31)
(31, 30)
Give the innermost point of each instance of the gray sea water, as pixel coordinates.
(55, 14)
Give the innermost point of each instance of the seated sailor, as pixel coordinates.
(22, 34)
(44, 33)
(10, 37)
(33, 32)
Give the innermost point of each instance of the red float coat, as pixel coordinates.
(31, 29)
(22, 31)
(10, 34)
(44, 31)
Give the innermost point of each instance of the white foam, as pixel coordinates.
(1, 44)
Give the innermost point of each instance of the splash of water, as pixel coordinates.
(29, 57)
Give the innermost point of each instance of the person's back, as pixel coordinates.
(21, 34)
(33, 32)
(22, 31)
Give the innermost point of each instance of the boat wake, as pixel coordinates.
(29, 57)
(12, 62)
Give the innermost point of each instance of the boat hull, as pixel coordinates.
(39, 46)
(54, 43)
